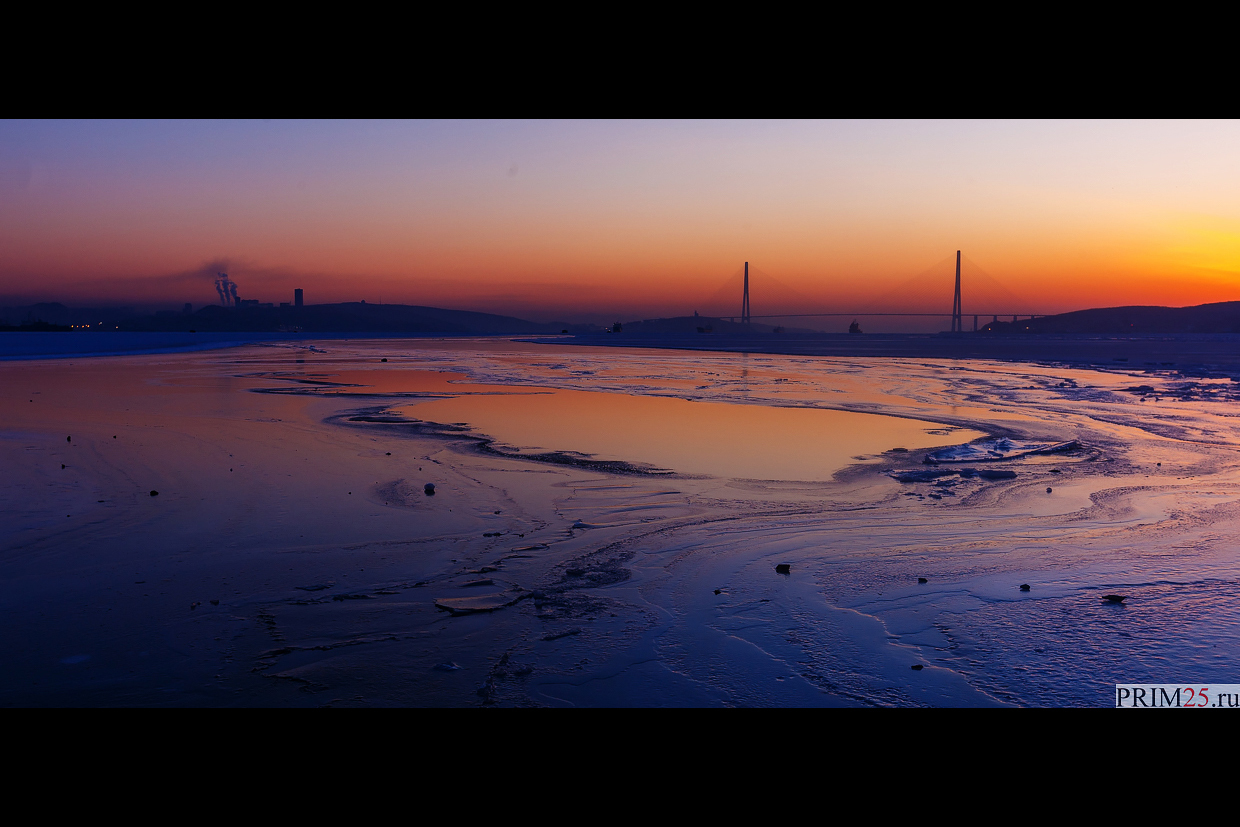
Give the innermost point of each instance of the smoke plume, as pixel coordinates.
(227, 290)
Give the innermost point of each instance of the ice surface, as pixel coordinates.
(293, 558)
(989, 450)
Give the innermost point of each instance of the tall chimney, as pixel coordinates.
(297, 297)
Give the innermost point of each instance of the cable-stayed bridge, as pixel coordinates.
(998, 302)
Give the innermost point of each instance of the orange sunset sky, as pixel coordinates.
(601, 219)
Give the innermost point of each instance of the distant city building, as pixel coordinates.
(297, 297)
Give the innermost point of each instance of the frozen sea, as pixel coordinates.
(606, 527)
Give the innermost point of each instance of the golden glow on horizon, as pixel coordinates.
(563, 219)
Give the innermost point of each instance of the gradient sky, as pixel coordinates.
(628, 219)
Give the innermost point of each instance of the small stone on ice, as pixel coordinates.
(1048, 490)
(783, 568)
(917, 667)
(1024, 587)
(922, 580)
(1115, 598)
(429, 488)
(154, 493)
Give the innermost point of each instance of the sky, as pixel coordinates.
(594, 220)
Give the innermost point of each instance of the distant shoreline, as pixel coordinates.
(23, 346)
(1219, 352)
(1214, 353)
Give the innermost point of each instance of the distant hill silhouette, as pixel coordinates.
(34, 327)
(347, 317)
(59, 316)
(1220, 317)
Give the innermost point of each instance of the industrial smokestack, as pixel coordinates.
(297, 297)
(232, 288)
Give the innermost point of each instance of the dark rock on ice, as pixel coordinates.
(154, 493)
(922, 580)
(429, 488)
(569, 633)
(921, 476)
(917, 667)
(783, 568)
(1024, 587)
(1115, 598)
(487, 691)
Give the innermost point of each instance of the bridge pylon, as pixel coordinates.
(957, 318)
(745, 298)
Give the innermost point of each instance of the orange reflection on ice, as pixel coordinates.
(726, 440)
